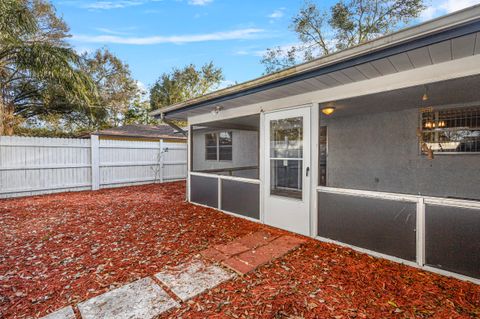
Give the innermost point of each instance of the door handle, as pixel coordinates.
(308, 170)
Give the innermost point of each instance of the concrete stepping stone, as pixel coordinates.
(191, 279)
(64, 313)
(142, 299)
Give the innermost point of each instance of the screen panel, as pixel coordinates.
(204, 190)
(241, 198)
(384, 226)
(452, 239)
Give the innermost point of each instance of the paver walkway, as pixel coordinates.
(252, 251)
(144, 298)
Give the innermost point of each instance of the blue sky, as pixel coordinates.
(153, 36)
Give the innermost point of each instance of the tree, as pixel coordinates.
(346, 24)
(117, 89)
(138, 113)
(184, 84)
(34, 57)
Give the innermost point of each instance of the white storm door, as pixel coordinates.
(287, 170)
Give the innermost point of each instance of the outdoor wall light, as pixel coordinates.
(328, 110)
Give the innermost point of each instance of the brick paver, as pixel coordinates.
(252, 251)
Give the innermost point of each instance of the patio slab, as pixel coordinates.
(142, 299)
(190, 280)
(64, 313)
(257, 239)
(213, 255)
(249, 252)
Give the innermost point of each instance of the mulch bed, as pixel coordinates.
(61, 249)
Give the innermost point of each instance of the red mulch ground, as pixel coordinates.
(60, 249)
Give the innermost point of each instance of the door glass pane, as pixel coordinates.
(286, 178)
(286, 138)
(286, 157)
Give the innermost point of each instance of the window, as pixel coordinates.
(211, 146)
(218, 146)
(225, 146)
(451, 130)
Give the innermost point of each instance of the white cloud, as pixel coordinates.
(114, 32)
(442, 7)
(199, 2)
(277, 14)
(107, 5)
(455, 5)
(240, 34)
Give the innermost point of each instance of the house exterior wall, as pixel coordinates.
(244, 150)
(380, 152)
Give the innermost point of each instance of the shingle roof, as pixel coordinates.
(142, 131)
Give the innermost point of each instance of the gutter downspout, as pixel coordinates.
(173, 125)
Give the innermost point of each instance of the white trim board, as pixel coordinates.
(429, 200)
(230, 178)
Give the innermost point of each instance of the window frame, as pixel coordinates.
(218, 147)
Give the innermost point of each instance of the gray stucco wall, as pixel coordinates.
(379, 152)
(244, 148)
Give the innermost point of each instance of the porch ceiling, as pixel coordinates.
(435, 42)
(457, 91)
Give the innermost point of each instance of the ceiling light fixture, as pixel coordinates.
(328, 110)
(425, 94)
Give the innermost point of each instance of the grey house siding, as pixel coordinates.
(380, 152)
(384, 226)
(452, 239)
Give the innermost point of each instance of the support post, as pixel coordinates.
(219, 194)
(421, 231)
(161, 160)
(95, 161)
(189, 159)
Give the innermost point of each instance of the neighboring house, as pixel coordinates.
(137, 132)
(376, 147)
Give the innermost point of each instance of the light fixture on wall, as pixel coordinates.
(425, 94)
(328, 110)
(217, 110)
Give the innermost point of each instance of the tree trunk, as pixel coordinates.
(8, 120)
(2, 118)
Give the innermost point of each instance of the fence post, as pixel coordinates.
(95, 153)
(161, 160)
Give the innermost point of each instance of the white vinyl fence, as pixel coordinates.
(37, 165)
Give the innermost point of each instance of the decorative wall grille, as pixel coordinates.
(453, 130)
